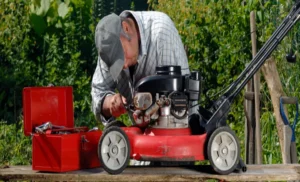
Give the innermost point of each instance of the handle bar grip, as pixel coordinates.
(289, 100)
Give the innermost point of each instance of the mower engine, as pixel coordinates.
(163, 100)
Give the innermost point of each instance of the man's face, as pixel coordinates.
(131, 52)
(130, 47)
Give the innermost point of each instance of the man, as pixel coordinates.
(130, 46)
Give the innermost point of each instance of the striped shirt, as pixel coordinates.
(160, 44)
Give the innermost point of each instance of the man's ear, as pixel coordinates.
(126, 27)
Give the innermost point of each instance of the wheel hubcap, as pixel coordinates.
(224, 151)
(114, 150)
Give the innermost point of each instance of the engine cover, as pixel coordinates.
(162, 84)
(164, 98)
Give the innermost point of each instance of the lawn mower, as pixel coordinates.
(162, 129)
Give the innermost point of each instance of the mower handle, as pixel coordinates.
(223, 104)
(264, 53)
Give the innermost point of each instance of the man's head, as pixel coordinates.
(117, 43)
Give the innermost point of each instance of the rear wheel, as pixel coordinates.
(223, 150)
(114, 150)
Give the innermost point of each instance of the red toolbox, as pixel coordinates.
(61, 147)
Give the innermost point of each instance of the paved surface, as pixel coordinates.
(193, 173)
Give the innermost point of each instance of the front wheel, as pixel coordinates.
(223, 150)
(114, 150)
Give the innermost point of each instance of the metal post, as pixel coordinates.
(258, 147)
(249, 124)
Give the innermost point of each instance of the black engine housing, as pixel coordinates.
(169, 79)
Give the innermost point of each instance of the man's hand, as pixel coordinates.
(114, 105)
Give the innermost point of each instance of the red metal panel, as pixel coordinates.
(70, 152)
(166, 145)
(89, 149)
(55, 153)
(43, 104)
(167, 131)
(46, 153)
(61, 153)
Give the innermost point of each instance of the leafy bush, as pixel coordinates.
(66, 49)
(15, 147)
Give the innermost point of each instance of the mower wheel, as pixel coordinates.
(223, 150)
(114, 150)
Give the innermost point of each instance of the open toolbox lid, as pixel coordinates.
(47, 104)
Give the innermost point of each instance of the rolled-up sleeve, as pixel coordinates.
(102, 85)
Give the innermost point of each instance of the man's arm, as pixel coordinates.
(106, 104)
(102, 87)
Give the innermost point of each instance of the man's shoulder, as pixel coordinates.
(148, 16)
(144, 13)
